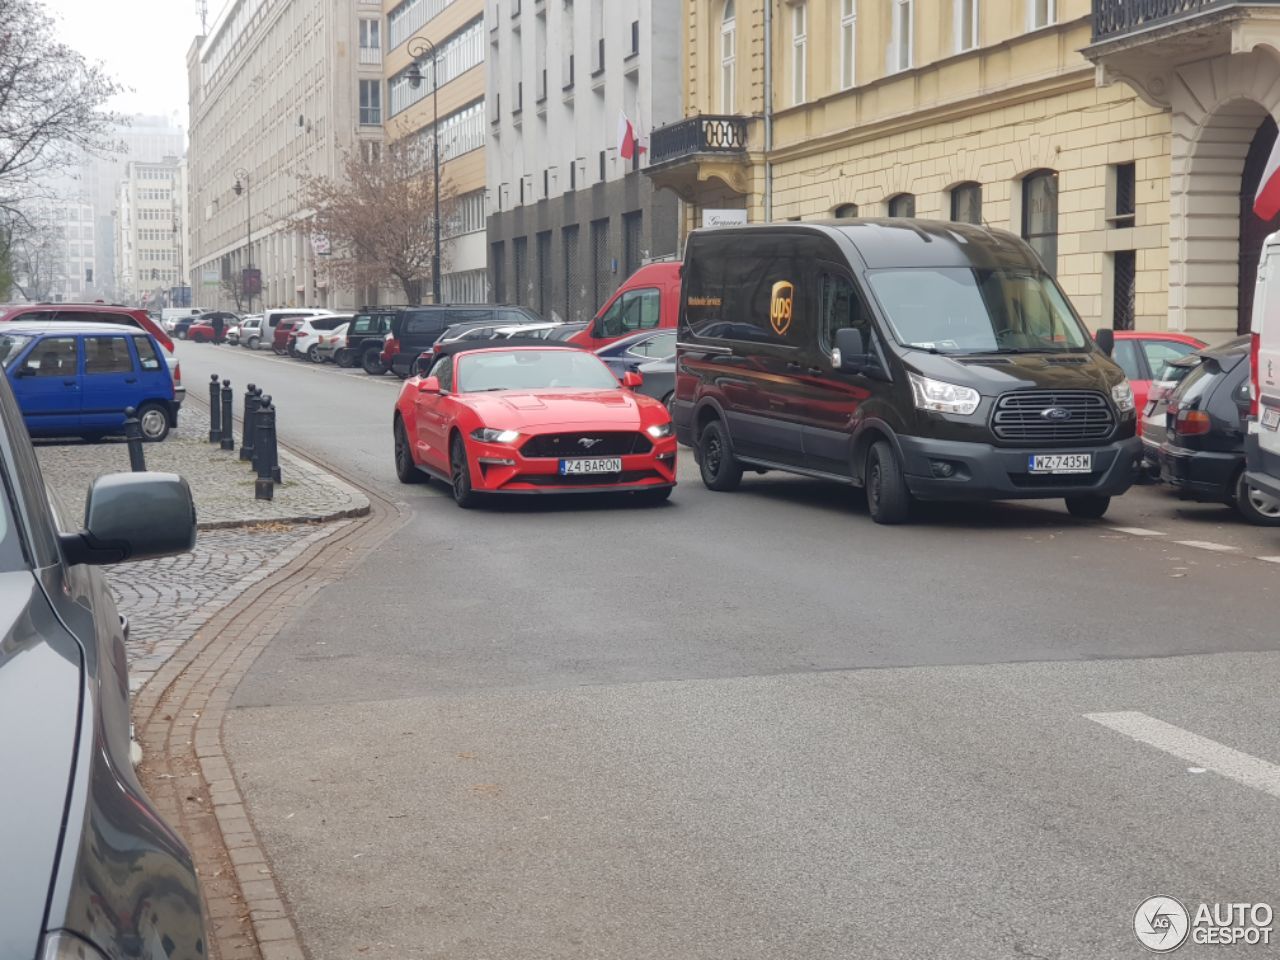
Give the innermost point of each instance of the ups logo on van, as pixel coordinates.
(781, 306)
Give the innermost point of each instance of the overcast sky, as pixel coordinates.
(143, 43)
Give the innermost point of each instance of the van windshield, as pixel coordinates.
(977, 310)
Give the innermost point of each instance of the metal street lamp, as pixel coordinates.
(242, 186)
(417, 48)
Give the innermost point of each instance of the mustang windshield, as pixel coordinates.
(966, 310)
(532, 369)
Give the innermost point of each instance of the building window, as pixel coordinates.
(1125, 266)
(520, 267)
(900, 47)
(846, 211)
(370, 103)
(903, 205)
(572, 273)
(603, 158)
(496, 260)
(457, 54)
(1041, 13)
(799, 54)
(543, 252)
(370, 41)
(1126, 198)
(966, 24)
(632, 238)
(1040, 216)
(728, 59)
(466, 215)
(601, 264)
(966, 203)
(848, 41)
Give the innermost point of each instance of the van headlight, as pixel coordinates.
(943, 397)
(1122, 394)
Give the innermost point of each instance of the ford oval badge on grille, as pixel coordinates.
(1056, 414)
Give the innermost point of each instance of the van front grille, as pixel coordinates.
(1021, 417)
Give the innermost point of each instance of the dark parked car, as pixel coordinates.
(1202, 456)
(90, 869)
(565, 331)
(365, 338)
(416, 329)
(659, 380)
(630, 352)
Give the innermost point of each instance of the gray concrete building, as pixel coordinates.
(571, 217)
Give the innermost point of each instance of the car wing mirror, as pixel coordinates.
(429, 385)
(133, 516)
(632, 379)
(1106, 338)
(422, 366)
(850, 353)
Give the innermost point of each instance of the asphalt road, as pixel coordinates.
(757, 725)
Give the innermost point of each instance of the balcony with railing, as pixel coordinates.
(1139, 38)
(371, 55)
(1119, 18)
(704, 159)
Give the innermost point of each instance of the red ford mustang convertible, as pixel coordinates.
(531, 419)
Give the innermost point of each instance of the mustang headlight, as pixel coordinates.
(943, 397)
(1122, 394)
(659, 430)
(490, 435)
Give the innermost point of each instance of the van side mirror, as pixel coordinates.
(133, 516)
(850, 353)
(1106, 338)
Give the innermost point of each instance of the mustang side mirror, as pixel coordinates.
(133, 516)
(632, 379)
(1106, 340)
(850, 353)
(429, 385)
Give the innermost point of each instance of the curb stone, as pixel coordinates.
(179, 713)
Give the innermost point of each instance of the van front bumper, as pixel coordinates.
(980, 471)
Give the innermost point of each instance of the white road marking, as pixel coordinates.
(1207, 545)
(1270, 559)
(1194, 749)
(1138, 531)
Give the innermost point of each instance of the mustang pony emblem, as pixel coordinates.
(589, 442)
(781, 306)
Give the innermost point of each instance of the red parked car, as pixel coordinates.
(529, 420)
(281, 340)
(1142, 355)
(647, 300)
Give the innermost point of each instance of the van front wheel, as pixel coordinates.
(888, 499)
(1088, 507)
(720, 468)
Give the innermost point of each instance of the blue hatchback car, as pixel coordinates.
(77, 379)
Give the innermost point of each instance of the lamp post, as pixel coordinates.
(417, 48)
(242, 186)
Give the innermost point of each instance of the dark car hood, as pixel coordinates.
(40, 689)
(993, 374)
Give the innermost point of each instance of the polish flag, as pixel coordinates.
(1266, 203)
(628, 143)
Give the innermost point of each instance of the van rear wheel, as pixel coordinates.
(1088, 507)
(1255, 506)
(888, 499)
(720, 468)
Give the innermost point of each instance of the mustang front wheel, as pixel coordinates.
(460, 475)
(406, 470)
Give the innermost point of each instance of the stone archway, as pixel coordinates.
(1218, 107)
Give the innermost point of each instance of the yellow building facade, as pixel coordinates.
(991, 111)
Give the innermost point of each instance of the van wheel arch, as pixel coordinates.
(864, 441)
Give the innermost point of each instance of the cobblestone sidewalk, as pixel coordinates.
(221, 483)
(241, 542)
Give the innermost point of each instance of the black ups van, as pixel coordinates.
(918, 359)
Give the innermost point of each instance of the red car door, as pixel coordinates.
(433, 417)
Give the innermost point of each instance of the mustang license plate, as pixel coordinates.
(1060, 463)
(1271, 418)
(597, 465)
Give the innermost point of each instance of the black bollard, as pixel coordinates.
(264, 401)
(250, 422)
(133, 434)
(264, 442)
(228, 422)
(215, 411)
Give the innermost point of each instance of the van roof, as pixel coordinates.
(69, 329)
(904, 242)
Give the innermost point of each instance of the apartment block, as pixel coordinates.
(149, 236)
(571, 214)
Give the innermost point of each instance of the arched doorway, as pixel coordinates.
(1253, 229)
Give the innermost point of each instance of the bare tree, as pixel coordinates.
(233, 288)
(378, 218)
(37, 254)
(51, 103)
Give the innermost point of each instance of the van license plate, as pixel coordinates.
(606, 465)
(1271, 418)
(1060, 463)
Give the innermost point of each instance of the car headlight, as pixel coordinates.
(943, 397)
(490, 435)
(1122, 394)
(659, 430)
